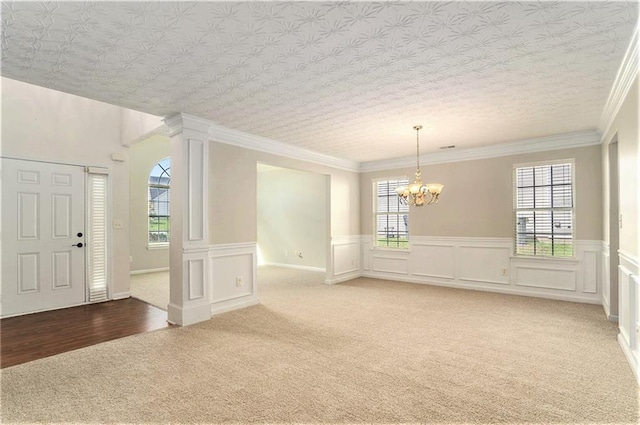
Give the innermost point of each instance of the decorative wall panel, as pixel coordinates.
(439, 261)
(28, 216)
(61, 216)
(484, 264)
(61, 270)
(197, 176)
(28, 273)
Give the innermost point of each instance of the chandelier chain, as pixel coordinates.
(418, 149)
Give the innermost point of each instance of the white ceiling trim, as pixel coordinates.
(241, 139)
(624, 79)
(539, 144)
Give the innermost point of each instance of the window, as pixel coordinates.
(391, 217)
(97, 249)
(543, 207)
(159, 211)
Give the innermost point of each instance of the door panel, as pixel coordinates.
(43, 209)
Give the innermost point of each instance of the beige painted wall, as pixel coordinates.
(43, 124)
(232, 188)
(477, 200)
(143, 156)
(292, 216)
(626, 130)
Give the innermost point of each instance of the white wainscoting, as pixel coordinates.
(345, 261)
(488, 264)
(233, 283)
(629, 309)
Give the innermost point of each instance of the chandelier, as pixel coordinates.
(417, 193)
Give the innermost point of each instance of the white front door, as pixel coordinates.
(43, 236)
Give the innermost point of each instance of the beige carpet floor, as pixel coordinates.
(152, 288)
(366, 351)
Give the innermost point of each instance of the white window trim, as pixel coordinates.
(152, 246)
(374, 216)
(574, 227)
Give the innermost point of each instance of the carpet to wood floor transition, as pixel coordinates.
(365, 351)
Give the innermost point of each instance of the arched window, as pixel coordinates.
(159, 203)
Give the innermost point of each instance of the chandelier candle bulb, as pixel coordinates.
(416, 192)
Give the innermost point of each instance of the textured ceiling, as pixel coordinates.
(349, 79)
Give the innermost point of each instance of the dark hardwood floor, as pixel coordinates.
(34, 336)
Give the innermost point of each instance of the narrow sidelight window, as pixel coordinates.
(159, 202)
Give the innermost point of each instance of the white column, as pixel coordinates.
(190, 298)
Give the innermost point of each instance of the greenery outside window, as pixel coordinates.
(543, 209)
(391, 217)
(159, 202)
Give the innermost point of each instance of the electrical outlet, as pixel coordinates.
(239, 281)
(299, 254)
(504, 272)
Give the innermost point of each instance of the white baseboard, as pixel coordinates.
(479, 286)
(224, 307)
(185, 316)
(635, 367)
(121, 295)
(612, 318)
(162, 269)
(293, 266)
(343, 278)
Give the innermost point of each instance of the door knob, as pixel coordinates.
(79, 244)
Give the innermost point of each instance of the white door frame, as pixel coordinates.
(109, 252)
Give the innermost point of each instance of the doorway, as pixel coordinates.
(293, 218)
(149, 216)
(611, 293)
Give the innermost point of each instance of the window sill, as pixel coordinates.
(157, 246)
(390, 249)
(541, 258)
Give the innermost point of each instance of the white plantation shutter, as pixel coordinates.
(97, 236)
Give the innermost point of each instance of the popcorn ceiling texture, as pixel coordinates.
(348, 79)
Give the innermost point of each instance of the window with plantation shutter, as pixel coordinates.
(543, 209)
(391, 217)
(97, 273)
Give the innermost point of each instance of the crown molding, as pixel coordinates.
(624, 79)
(241, 139)
(539, 144)
(178, 122)
(218, 133)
